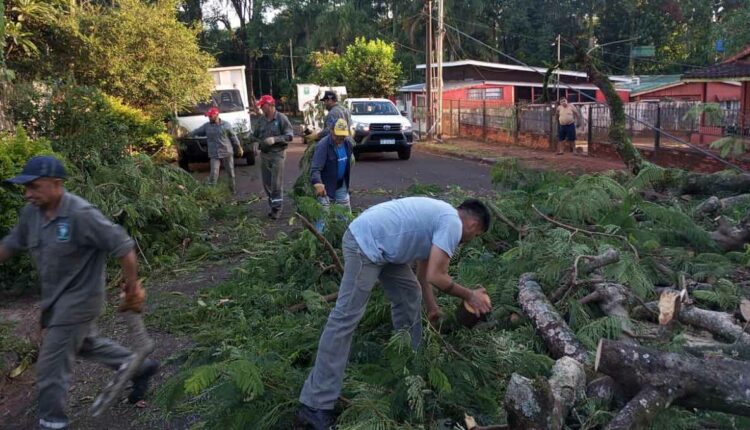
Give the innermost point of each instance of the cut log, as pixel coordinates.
(670, 302)
(544, 405)
(607, 391)
(612, 300)
(720, 324)
(640, 410)
(568, 386)
(528, 403)
(720, 385)
(558, 337)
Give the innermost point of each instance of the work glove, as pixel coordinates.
(134, 301)
(239, 153)
(269, 141)
(320, 190)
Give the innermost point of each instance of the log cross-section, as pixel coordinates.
(558, 337)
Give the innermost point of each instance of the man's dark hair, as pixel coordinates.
(478, 210)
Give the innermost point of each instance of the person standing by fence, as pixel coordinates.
(567, 118)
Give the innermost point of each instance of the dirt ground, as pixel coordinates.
(376, 178)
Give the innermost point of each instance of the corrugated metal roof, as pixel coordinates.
(736, 67)
(454, 85)
(648, 83)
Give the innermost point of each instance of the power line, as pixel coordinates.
(580, 93)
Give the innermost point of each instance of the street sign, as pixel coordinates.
(646, 51)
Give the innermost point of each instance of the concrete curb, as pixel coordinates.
(467, 157)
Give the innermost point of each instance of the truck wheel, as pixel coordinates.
(183, 161)
(250, 157)
(404, 154)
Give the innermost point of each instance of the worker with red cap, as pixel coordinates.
(273, 132)
(222, 143)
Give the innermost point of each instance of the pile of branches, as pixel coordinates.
(614, 307)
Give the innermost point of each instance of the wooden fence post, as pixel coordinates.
(657, 136)
(484, 120)
(590, 130)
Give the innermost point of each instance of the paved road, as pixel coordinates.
(383, 173)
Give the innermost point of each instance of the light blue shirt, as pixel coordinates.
(401, 231)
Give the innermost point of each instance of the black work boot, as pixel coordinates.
(275, 213)
(308, 418)
(140, 380)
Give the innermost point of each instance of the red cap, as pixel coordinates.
(213, 111)
(266, 99)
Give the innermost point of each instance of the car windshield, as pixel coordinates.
(373, 108)
(225, 100)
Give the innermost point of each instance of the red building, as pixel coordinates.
(504, 85)
(670, 88)
(735, 68)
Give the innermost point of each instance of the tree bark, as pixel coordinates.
(607, 391)
(528, 403)
(543, 404)
(720, 385)
(718, 183)
(558, 337)
(640, 410)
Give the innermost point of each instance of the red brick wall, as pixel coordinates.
(669, 157)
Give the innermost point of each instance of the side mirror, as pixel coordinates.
(404, 113)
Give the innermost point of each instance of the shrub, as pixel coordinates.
(14, 152)
(91, 128)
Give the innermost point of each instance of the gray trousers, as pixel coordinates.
(228, 164)
(54, 367)
(272, 173)
(400, 285)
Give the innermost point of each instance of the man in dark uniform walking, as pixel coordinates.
(69, 241)
(274, 132)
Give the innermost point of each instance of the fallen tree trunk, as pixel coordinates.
(607, 391)
(718, 183)
(720, 324)
(544, 404)
(714, 205)
(558, 337)
(657, 378)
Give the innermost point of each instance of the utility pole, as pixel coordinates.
(557, 71)
(439, 55)
(291, 58)
(428, 68)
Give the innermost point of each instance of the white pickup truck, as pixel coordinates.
(230, 96)
(379, 127)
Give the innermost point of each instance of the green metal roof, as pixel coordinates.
(648, 83)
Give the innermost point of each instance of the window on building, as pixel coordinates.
(421, 100)
(493, 94)
(476, 94)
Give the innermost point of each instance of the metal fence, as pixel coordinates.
(691, 122)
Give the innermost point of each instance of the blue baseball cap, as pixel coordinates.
(39, 167)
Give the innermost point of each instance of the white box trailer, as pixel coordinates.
(308, 96)
(231, 98)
